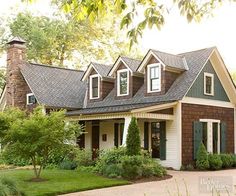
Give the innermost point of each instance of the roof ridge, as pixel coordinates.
(176, 55)
(197, 50)
(55, 67)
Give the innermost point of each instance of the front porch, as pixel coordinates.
(160, 132)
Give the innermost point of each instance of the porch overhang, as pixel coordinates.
(122, 115)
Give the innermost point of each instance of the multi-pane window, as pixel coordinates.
(31, 99)
(208, 84)
(154, 82)
(94, 87)
(122, 85)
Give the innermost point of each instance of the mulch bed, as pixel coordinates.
(151, 179)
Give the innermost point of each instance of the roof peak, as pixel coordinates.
(17, 40)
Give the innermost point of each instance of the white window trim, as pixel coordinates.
(90, 86)
(148, 77)
(212, 86)
(210, 134)
(118, 82)
(27, 98)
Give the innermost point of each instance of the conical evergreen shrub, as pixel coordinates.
(202, 162)
(133, 143)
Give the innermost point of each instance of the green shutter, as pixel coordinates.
(116, 132)
(197, 137)
(146, 135)
(163, 140)
(223, 135)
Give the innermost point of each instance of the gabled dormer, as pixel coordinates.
(128, 80)
(160, 71)
(98, 82)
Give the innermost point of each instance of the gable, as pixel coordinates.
(197, 89)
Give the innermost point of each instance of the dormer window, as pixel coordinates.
(30, 99)
(122, 82)
(209, 84)
(94, 86)
(154, 78)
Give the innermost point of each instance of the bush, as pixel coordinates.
(131, 167)
(215, 161)
(109, 157)
(227, 160)
(133, 142)
(68, 165)
(202, 162)
(234, 160)
(113, 170)
(84, 158)
(10, 159)
(189, 167)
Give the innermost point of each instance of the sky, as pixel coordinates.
(175, 37)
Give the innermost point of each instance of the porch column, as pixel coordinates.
(125, 133)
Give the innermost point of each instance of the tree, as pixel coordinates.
(61, 39)
(35, 136)
(152, 12)
(133, 142)
(2, 79)
(202, 162)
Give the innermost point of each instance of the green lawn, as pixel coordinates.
(59, 181)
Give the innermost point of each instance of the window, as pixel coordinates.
(122, 82)
(211, 135)
(154, 78)
(94, 87)
(30, 99)
(208, 84)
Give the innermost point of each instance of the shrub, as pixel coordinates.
(189, 167)
(133, 143)
(10, 159)
(183, 168)
(227, 160)
(68, 165)
(215, 161)
(84, 158)
(113, 170)
(234, 160)
(109, 157)
(8, 187)
(202, 162)
(131, 167)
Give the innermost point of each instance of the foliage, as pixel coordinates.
(59, 181)
(133, 142)
(109, 157)
(84, 157)
(63, 41)
(116, 163)
(9, 188)
(215, 161)
(234, 159)
(152, 12)
(131, 167)
(68, 165)
(11, 159)
(202, 162)
(36, 136)
(2, 79)
(227, 160)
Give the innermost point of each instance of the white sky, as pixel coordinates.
(176, 36)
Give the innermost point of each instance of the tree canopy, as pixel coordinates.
(61, 39)
(34, 137)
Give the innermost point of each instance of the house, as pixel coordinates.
(178, 100)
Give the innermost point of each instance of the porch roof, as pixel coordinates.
(113, 109)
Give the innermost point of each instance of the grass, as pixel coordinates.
(58, 181)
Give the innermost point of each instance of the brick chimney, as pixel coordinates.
(16, 87)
